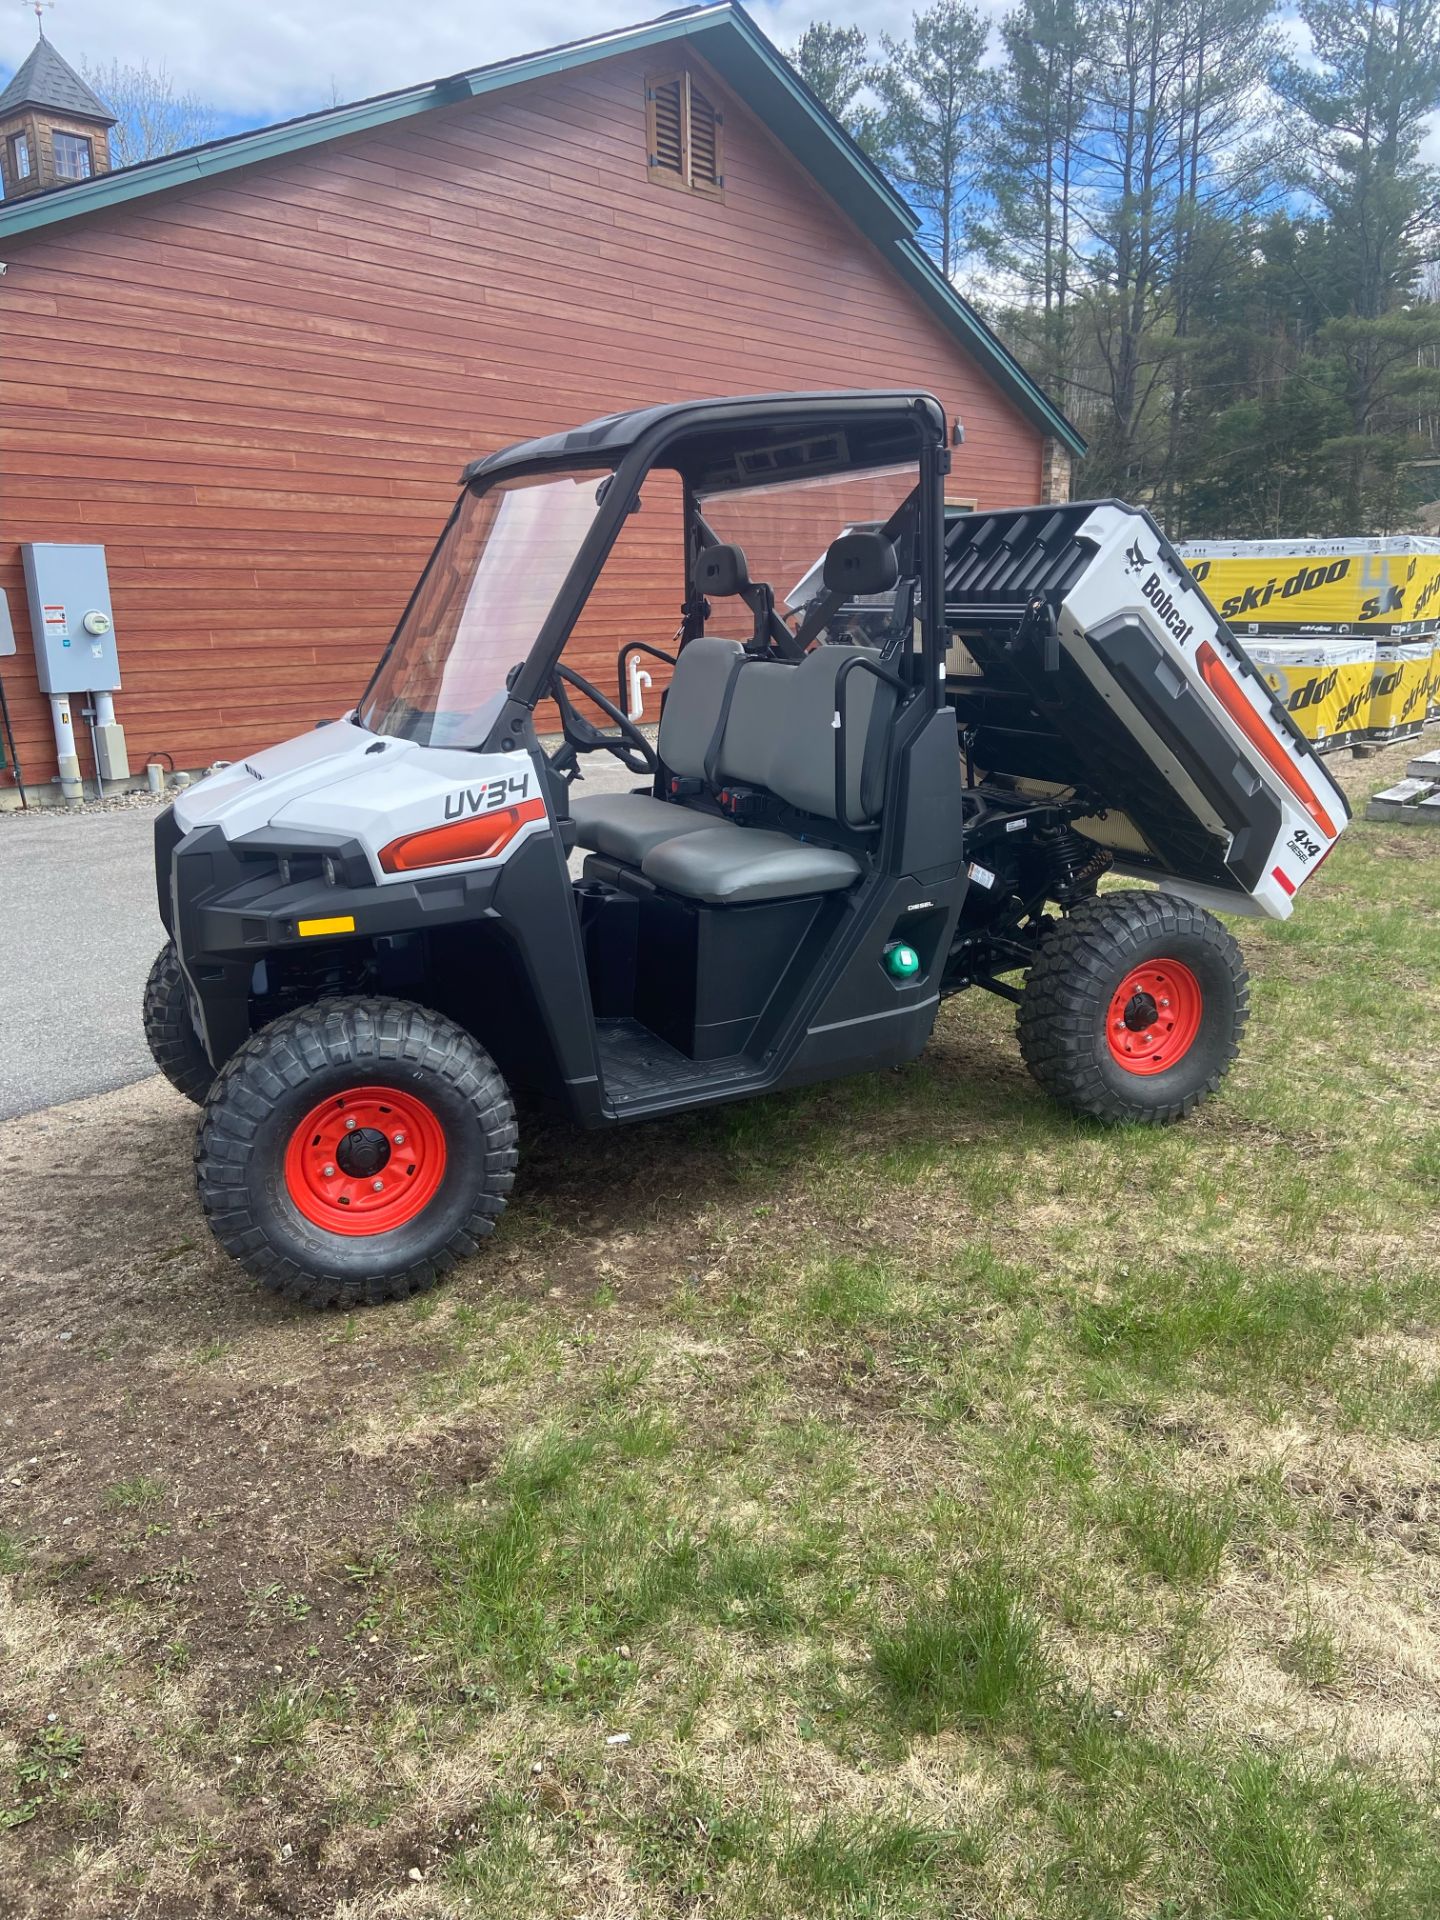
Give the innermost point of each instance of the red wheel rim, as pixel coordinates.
(365, 1160)
(1154, 1016)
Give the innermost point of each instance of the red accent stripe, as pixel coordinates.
(1231, 695)
(1286, 883)
(479, 838)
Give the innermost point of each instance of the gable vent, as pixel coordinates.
(705, 174)
(665, 110)
(683, 134)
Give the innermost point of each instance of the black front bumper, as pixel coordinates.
(230, 911)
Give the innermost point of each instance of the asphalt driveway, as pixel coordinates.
(78, 931)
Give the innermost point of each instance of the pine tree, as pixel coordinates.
(836, 65)
(1034, 172)
(934, 97)
(1362, 112)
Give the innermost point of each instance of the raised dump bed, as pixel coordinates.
(1084, 658)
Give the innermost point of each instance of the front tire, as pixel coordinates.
(170, 1032)
(1134, 1007)
(354, 1151)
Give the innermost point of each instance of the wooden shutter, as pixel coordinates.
(683, 132)
(707, 166)
(665, 129)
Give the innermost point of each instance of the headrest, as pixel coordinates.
(722, 571)
(860, 563)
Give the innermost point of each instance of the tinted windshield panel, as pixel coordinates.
(484, 598)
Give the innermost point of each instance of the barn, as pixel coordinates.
(252, 371)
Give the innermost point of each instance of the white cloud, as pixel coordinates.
(262, 59)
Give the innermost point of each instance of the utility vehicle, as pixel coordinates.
(878, 778)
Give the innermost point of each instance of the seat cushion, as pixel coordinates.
(628, 825)
(726, 865)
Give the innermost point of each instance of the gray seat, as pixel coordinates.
(772, 725)
(727, 865)
(627, 825)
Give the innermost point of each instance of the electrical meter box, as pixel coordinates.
(70, 617)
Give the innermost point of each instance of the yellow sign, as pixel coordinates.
(1400, 694)
(341, 923)
(1388, 585)
(1325, 686)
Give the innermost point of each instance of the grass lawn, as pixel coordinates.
(894, 1499)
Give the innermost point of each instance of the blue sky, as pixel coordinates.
(260, 60)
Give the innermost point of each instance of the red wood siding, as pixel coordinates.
(258, 392)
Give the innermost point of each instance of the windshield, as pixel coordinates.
(483, 600)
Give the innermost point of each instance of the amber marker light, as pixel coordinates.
(338, 923)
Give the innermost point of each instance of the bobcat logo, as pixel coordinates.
(1135, 561)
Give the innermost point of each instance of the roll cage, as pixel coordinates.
(714, 446)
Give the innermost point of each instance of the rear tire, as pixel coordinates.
(354, 1151)
(170, 1032)
(1134, 1008)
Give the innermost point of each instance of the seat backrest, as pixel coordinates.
(780, 726)
(803, 770)
(780, 733)
(693, 704)
(756, 723)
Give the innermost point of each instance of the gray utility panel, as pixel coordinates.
(71, 618)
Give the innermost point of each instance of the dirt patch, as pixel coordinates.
(207, 1486)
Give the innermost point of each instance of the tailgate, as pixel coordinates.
(1083, 656)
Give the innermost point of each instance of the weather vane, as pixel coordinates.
(38, 8)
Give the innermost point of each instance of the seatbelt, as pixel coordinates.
(712, 752)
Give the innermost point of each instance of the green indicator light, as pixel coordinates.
(901, 962)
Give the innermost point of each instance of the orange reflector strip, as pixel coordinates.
(479, 838)
(1231, 695)
(342, 923)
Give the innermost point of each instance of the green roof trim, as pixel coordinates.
(731, 42)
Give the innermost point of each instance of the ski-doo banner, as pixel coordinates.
(1401, 690)
(1389, 586)
(1326, 686)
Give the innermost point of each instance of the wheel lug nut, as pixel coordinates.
(378, 1185)
(399, 1139)
(350, 1122)
(329, 1172)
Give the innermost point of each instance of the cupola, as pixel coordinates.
(54, 130)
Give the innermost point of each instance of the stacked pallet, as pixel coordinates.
(1347, 632)
(1415, 800)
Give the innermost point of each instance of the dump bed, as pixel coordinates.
(1084, 657)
